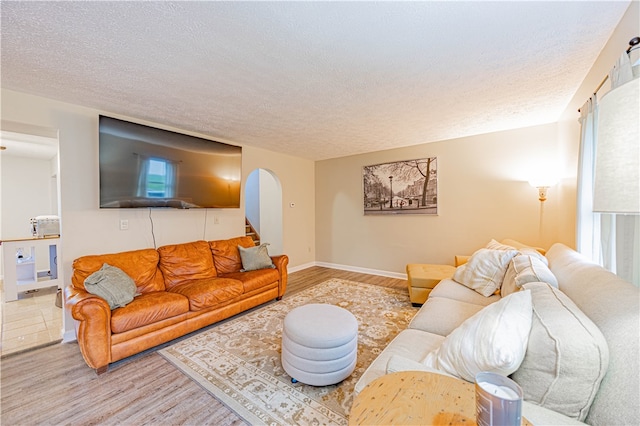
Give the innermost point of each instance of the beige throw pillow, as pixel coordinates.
(494, 339)
(567, 355)
(484, 272)
(526, 269)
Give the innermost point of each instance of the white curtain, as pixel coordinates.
(143, 171)
(169, 173)
(587, 222)
(612, 240)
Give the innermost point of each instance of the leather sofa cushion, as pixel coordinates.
(253, 280)
(147, 309)
(181, 263)
(140, 265)
(205, 293)
(226, 255)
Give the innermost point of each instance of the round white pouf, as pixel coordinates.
(319, 344)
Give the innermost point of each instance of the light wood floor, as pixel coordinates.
(53, 385)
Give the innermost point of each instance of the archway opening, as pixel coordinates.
(263, 208)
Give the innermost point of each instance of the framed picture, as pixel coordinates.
(402, 187)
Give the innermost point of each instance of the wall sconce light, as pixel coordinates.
(543, 185)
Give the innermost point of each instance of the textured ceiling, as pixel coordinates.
(312, 79)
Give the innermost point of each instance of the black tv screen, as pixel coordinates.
(142, 166)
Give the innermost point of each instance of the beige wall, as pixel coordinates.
(86, 229)
(483, 193)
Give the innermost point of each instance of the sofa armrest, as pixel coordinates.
(281, 262)
(93, 329)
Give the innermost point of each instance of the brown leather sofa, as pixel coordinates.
(182, 288)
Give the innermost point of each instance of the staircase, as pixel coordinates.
(249, 231)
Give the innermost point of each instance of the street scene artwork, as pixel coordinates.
(402, 187)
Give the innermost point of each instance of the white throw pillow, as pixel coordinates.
(525, 269)
(494, 245)
(495, 339)
(531, 251)
(485, 270)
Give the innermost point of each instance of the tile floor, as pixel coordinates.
(32, 320)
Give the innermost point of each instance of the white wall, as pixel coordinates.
(252, 199)
(87, 229)
(26, 193)
(270, 212)
(27, 189)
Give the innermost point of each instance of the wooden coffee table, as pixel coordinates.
(416, 398)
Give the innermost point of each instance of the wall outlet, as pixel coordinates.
(124, 224)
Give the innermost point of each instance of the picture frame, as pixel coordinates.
(401, 187)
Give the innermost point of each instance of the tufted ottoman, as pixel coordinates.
(319, 344)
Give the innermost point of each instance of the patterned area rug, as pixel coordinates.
(238, 361)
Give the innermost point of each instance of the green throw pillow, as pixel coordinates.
(255, 258)
(112, 284)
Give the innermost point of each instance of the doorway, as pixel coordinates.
(263, 208)
(29, 187)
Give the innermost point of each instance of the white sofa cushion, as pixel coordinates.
(567, 355)
(526, 269)
(494, 339)
(484, 272)
(441, 315)
(398, 363)
(450, 289)
(410, 344)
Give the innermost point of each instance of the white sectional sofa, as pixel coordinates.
(580, 357)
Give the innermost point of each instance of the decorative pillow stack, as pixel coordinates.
(504, 269)
(495, 339)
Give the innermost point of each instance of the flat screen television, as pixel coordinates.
(142, 166)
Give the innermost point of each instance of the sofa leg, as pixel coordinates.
(102, 370)
(279, 298)
(416, 305)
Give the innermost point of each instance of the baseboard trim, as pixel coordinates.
(69, 336)
(360, 270)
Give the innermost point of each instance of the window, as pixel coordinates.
(157, 178)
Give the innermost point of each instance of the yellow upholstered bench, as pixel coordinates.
(423, 277)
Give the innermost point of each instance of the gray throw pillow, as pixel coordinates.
(112, 284)
(254, 258)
